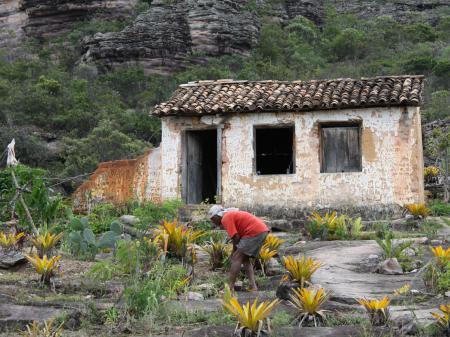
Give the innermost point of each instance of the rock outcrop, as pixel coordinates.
(173, 34)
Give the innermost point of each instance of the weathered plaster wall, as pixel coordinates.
(391, 160)
(121, 181)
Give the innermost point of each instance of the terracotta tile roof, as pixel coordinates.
(228, 96)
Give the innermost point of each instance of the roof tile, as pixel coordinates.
(228, 96)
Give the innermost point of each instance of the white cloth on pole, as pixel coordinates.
(11, 160)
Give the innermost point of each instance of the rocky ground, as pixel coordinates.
(347, 272)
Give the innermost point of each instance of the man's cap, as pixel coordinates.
(215, 210)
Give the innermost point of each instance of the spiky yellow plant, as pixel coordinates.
(444, 319)
(250, 316)
(418, 210)
(218, 253)
(48, 329)
(378, 310)
(402, 290)
(273, 242)
(45, 242)
(328, 219)
(442, 256)
(175, 238)
(300, 270)
(44, 266)
(265, 254)
(9, 240)
(431, 171)
(308, 303)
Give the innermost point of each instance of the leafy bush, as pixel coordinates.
(9, 241)
(308, 304)
(391, 249)
(300, 270)
(418, 210)
(44, 266)
(333, 227)
(378, 310)
(439, 207)
(218, 253)
(153, 214)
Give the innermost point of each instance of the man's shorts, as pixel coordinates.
(252, 245)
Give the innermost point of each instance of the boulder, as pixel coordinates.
(405, 325)
(409, 252)
(284, 290)
(11, 259)
(193, 296)
(129, 220)
(390, 267)
(273, 267)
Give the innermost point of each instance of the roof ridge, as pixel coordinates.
(233, 81)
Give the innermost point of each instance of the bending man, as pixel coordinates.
(247, 233)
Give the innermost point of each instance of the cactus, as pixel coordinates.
(83, 242)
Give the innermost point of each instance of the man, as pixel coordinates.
(247, 233)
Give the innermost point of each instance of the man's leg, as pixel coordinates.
(237, 259)
(248, 267)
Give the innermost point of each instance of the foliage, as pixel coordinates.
(45, 267)
(9, 241)
(438, 146)
(45, 242)
(43, 203)
(437, 278)
(309, 303)
(431, 171)
(218, 252)
(273, 242)
(48, 329)
(378, 310)
(390, 248)
(418, 210)
(82, 241)
(152, 214)
(442, 256)
(101, 216)
(250, 316)
(443, 319)
(163, 280)
(177, 238)
(265, 254)
(439, 207)
(333, 227)
(300, 270)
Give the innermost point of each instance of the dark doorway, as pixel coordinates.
(274, 150)
(200, 180)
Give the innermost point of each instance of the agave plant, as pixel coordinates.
(308, 303)
(45, 267)
(9, 241)
(218, 252)
(250, 316)
(300, 270)
(265, 254)
(444, 319)
(44, 243)
(378, 310)
(442, 256)
(273, 242)
(175, 238)
(418, 210)
(48, 329)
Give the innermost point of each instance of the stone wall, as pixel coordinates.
(121, 181)
(392, 162)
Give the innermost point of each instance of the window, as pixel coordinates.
(340, 148)
(274, 150)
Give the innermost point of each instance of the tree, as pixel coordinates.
(439, 146)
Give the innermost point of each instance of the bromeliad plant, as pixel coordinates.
(309, 303)
(251, 317)
(273, 242)
(265, 254)
(333, 227)
(390, 248)
(45, 267)
(300, 270)
(378, 310)
(9, 241)
(418, 210)
(45, 242)
(442, 256)
(218, 253)
(443, 320)
(48, 329)
(177, 238)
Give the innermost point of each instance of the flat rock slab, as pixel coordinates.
(11, 259)
(14, 316)
(227, 331)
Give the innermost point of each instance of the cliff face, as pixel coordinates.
(173, 34)
(46, 18)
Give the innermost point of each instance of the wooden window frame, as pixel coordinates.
(275, 126)
(336, 124)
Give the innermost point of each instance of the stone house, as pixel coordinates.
(283, 147)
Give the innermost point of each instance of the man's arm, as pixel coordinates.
(235, 239)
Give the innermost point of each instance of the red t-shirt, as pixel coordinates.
(245, 224)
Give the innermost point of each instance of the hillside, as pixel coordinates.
(78, 78)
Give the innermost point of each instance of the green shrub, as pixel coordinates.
(439, 207)
(153, 214)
